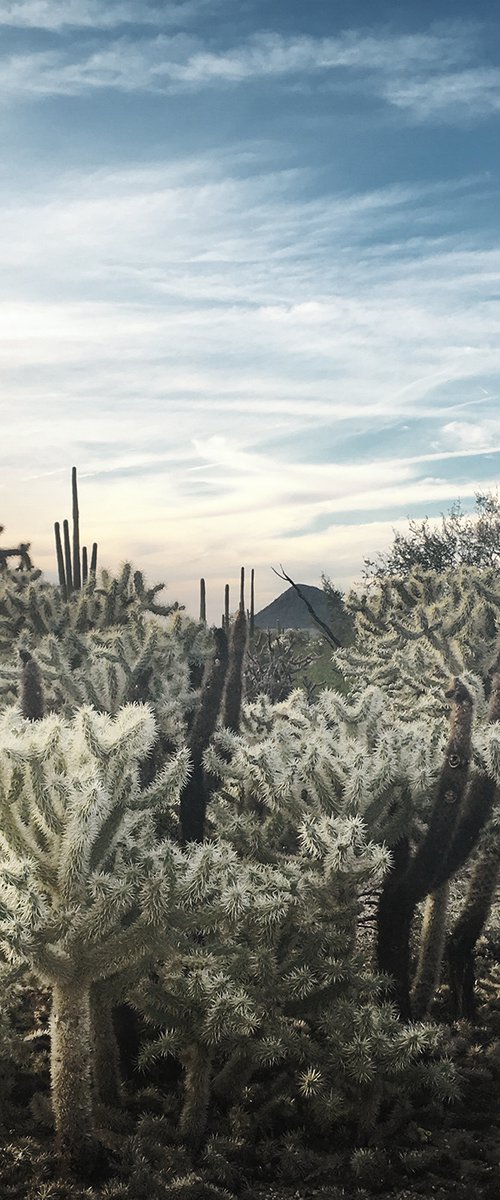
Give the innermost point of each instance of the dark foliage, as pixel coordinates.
(460, 539)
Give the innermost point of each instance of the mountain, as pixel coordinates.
(288, 611)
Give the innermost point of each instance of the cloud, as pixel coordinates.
(187, 284)
(454, 96)
(60, 15)
(472, 438)
(397, 68)
(176, 330)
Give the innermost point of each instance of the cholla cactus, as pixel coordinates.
(336, 756)
(301, 790)
(412, 634)
(32, 609)
(147, 660)
(86, 887)
(285, 985)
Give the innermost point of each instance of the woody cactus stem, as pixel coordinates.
(71, 1076)
(203, 602)
(242, 589)
(67, 558)
(403, 890)
(226, 607)
(197, 1078)
(470, 924)
(432, 940)
(195, 794)
(234, 683)
(77, 576)
(60, 560)
(106, 1055)
(85, 565)
(393, 929)
(32, 697)
(476, 808)
(93, 559)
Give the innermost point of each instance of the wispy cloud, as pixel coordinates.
(60, 15)
(453, 96)
(164, 306)
(416, 72)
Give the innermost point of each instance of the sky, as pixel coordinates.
(249, 279)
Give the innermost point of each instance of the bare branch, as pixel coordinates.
(325, 629)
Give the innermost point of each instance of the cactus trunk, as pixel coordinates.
(203, 602)
(252, 603)
(233, 694)
(195, 795)
(71, 1076)
(60, 560)
(430, 960)
(404, 888)
(67, 558)
(197, 1080)
(468, 928)
(106, 1055)
(77, 577)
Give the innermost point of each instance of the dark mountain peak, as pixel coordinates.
(288, 611)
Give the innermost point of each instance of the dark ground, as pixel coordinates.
(450, 1153)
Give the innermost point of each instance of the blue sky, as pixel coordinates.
(249, 278)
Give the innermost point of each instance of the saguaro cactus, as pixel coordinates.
(72, 562)
(203, 602)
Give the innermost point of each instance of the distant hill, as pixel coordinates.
(289, 612)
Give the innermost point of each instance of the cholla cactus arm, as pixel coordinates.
(430, 954)
(470, 924)
(234, 681)
(478, 803)
(32, 697)
(402, 892)
(194, 796)
(424, 869)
